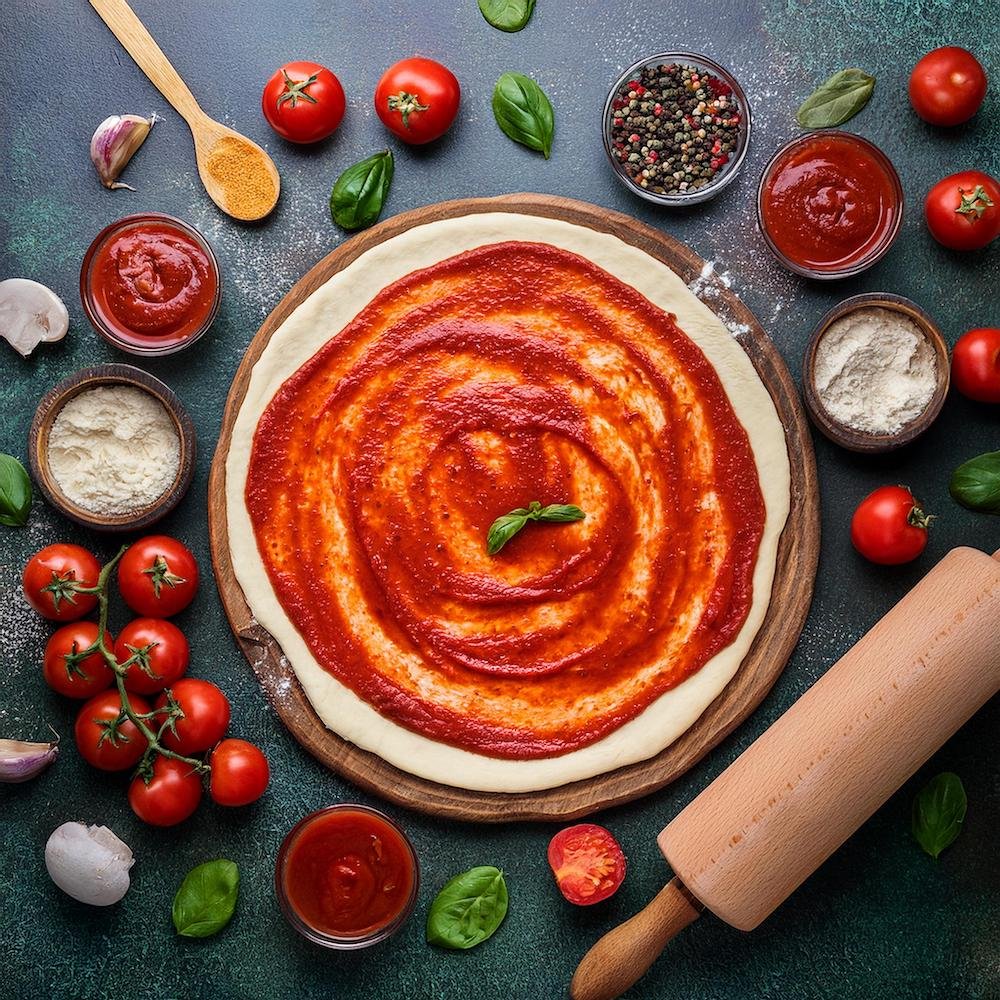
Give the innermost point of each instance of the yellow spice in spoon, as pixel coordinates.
(243, 172)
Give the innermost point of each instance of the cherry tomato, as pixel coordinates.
(947, 86)
(889, 527)
(975, 365)
(67, 670)
(206, 715)
(162, 650)
(158, 576)
(303, 102)
(587, 862)
(239, 773)
(417, 99)
(169, 797)
(52, 579)
(114, 747)
(963, 210)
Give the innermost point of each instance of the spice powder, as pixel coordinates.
(241, 169)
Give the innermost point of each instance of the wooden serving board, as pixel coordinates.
(791, 594)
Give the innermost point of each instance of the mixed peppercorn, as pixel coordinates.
(674, 128)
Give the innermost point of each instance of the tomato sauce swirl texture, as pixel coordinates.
(509, 373)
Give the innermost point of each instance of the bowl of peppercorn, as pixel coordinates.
(676, 128)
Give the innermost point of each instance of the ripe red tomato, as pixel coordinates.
(587, 862)
(239, 773)
(162, 649)
(169, 797)
(69, 672)
(947, 86)
(158, 576)
(102, 742)
(889, 527)
(417, 99)
(52, 579)
(963, 210)
(206, 715)
(975, 365)
(303, 102)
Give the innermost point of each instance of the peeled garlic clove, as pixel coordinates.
(115, 143)
(30, 314)
(20, 761)
(89, 863)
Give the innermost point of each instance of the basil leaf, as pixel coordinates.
(502, 530)
(507, 15)
(523, 112)
(938, 811)
(15, 493)
(360, 192)
(976, 484)
(505, 527)
(561, 512)
(836, 100)
(468, 909)
(206, 899)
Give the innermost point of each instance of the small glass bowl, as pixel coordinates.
(91, 308)
(729, 171)
(320, 937)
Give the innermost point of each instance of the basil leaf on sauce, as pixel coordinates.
(469, 908)
(938, 811)
(507, 15)
(836, 100)
(976, 484)
(523, 112)
(206, 899)
(360, 191)
(505, 527)
(15, 493)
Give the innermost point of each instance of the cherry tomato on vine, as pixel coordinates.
(588, 863)
(158, 576)
(889, 527)
(975, 365)
(162, 650)
(67, 670)
(417, 99)
(52, 577)
(170, 796)
(206, 715)
(303, 102)
(104, 742)
(239, 773)
(963, 210)
(947, 86)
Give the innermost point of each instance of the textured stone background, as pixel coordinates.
(880, 919)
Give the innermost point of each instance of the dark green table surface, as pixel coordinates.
(880, 919)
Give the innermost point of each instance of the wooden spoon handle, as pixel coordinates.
(139, 44)
(624, 954)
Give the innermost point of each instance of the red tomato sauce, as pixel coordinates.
(348, 873)
(829, 201)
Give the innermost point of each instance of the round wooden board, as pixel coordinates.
(791, 594)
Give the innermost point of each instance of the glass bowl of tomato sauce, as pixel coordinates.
(150, 284)
(346, 877)
(829, 204)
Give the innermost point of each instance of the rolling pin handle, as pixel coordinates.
(625, 954)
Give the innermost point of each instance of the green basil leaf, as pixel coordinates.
(468, 909)
(976, 484)
(561, 512)
(836, 100)
(523, 112)
(206, 899)
(360, 192)
(15, 493)
(507, 15)
(503, 529)
(938, 811)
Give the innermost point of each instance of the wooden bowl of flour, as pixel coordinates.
(876, 373)
(116, 459)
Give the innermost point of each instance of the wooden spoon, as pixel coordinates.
(238, 175)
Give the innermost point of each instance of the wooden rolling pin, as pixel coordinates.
(795, 795)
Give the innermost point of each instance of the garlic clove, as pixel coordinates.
(89, 863)
(21, 761)
(30, 314)
(115, 142)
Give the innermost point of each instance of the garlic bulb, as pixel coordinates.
(89, 863)
(30, 314)
(20, 761)
(115, 142)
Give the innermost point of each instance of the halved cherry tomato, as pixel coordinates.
(239, 773)
(889, 527)
(588, 863)
(52, 578)
(67, 670)
(963, 210)
(104, 742)
(205, 719)
(158, 576)
(303, 102)
(169, 797)
(417, 99)
(947, 86)
(975, 365)
(162, 651)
